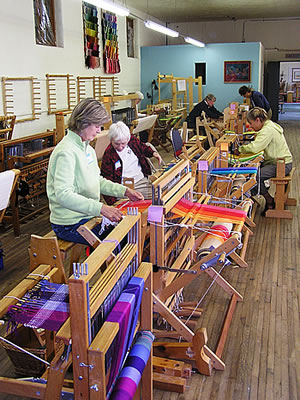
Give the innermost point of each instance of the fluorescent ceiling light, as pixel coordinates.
(109, 6)
(194, 42)
(160, 28)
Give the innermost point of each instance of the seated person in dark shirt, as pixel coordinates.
(206, 105)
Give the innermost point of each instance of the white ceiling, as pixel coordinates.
(216, 10)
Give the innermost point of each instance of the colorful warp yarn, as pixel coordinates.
(243, 157)
(125, 313)
(46, 306)
(110, 43)
(237, 171)
(91, 41)
(205, 212)
(131, 374)
(141, 205)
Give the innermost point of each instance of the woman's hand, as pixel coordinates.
(158, 157)
(112, 213)
(133, 195)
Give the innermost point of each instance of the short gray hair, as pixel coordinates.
(87, 112)
(119, 131)
(210, 97)
(140, 95)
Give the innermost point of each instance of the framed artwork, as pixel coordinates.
(295, 74)
(237, 71)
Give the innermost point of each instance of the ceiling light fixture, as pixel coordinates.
(112, 7)
(160, 28)
(194, 42)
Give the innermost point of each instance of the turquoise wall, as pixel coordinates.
(180, 60)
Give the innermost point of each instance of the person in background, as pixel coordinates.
(125, 157)
(271, 140)
(206, 105)
(74, 183)
(143, 134)
(257, 99)
(140, 98)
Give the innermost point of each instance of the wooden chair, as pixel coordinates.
(282, 199)
(163, 127)
(7, 124)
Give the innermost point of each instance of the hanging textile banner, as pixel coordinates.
(110, 43)
(91, 41)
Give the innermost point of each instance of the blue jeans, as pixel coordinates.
(70, 234)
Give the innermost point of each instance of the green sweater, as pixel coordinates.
(271, 140)
(74, 182)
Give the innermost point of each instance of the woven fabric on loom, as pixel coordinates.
(110, 43)
(91, 41)
(44, 306)
(134, 366)
(141, 205)
(125, 313)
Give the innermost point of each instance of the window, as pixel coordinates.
(44, 16)
(200, 70)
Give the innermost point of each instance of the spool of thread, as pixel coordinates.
(218, 233)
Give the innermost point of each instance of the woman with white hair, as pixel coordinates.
(125, 157)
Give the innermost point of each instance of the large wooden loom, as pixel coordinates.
(30, 155)
(85, 347)
(217, 157)
(231, 189)
(162, 79)
(172, 258)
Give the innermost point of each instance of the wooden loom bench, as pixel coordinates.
(74, 249)
(283, 186)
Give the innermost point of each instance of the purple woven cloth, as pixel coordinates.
(131, 374)
(44, 306)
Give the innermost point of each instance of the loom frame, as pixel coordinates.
(166, 284)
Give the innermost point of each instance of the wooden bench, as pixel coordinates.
(283, 186)
(49, 249)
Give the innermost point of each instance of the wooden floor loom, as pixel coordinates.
(97, 336)
(230, 189)
(233, 185)
(239, 184)
(172, 256)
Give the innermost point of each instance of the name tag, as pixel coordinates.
(118, 164)
(89, 158)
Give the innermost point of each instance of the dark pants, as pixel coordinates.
(70, 234)
(264, 173)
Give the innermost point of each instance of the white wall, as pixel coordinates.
(21, 57)
(277, 36)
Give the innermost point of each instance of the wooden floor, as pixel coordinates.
(262, 352)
